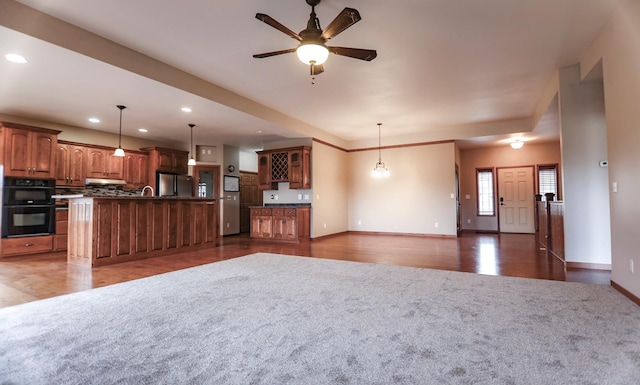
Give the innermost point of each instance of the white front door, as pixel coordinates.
(515, 200)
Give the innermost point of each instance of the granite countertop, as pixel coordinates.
(147, 197)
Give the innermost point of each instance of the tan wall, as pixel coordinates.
(619, 47)
(87, 136)
(503, 156)
(329, 189)
(415, 196)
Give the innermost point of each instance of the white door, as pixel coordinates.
(515, 200)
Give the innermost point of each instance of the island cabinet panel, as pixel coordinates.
(142, 226)
(205, 228)
(123, 228)
(172, 225)
(158, 230)
(103, 217)
(81, 244)
(127, 229)
(186, 222)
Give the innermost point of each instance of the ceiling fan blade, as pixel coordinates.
(344, 20)
(272, 22)
(274, 53)
(356, 53)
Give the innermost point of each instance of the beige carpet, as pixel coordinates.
(274, 319)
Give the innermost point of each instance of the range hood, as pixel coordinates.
(104, 182)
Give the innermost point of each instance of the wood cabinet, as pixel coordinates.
(101, 163)
(291, 165)
(104, 231)
(168, 160)
(282, 223)
(26, 245)
(136, 170)
(285, 224)
(261, 223)
(28, 151)
(299, 168)
(70, 164)
(62, 225)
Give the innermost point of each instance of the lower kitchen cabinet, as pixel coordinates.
(104, 231)
(282, 223)
(62, 227)
(26, 245)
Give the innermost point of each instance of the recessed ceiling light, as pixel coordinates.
(259, 132)
(186, 109)
(143, 130)
(94, 120)
(15, 58)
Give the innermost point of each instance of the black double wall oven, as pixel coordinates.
(28, 208)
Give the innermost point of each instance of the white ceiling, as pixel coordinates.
(441, 65)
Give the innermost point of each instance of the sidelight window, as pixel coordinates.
(548, 180)
(486, 200)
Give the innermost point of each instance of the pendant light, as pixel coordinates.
(191, 162)
(119, 151)
(380, 170)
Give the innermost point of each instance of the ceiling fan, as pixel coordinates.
(312, 49)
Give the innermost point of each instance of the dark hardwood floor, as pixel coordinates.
(29, 278)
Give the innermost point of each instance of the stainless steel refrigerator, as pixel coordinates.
(174, 185)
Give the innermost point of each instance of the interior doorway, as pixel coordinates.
(516, 200)
(207, 181)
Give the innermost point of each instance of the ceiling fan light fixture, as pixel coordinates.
(312, 53)
(516, 144)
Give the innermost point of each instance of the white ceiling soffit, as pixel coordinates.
(445, 70)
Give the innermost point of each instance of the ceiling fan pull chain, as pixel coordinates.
(312, 72)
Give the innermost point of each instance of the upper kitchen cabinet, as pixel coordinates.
(101, 163)
(28, 151)
(299, 166)
(291, 165)
(167, 160)
(136, 170)
(70, 164)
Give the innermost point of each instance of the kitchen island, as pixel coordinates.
(108, 230)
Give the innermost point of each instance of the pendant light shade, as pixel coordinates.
(191, 162)
(380, 170)
(119, 151)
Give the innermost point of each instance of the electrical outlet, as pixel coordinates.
(228, 225)
(437, 225)
(631, 265)
(325, 225)
(359, 221)
(469, 221)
